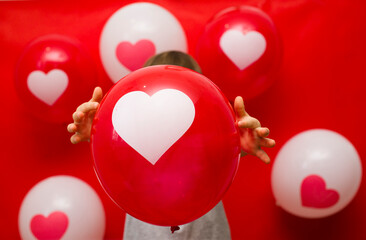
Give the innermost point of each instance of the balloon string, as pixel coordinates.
(174, 228)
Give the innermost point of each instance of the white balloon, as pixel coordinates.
(135, 32)
(61, 207)
(316, 174)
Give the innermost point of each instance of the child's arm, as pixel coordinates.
(83, 118)
(252, 136)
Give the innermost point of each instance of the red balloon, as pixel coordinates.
(53, 75)
(165, 144)
(239, 50)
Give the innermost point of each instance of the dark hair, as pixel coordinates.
(174, 58)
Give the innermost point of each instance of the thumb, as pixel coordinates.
(239, 107)
(97, 95)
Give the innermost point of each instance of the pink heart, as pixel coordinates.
(52, 227)
(314, 193)
(132, 56)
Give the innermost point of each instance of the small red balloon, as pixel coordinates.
(240, 51)
(165, 144)
(53, 75)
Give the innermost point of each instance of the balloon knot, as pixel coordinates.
(174, 228)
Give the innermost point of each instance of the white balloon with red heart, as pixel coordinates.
(136, 32)
(61, 207)
(316, 174)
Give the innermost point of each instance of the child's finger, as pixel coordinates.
(262, 132)
(71, 128)
(75, 138)
(249, 122)
(262, 155)
(87, 107)
(239, 107)
(267, 142)
(78, 117)
(97, 95)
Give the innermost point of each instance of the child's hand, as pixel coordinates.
(83, 118)
(252, 136)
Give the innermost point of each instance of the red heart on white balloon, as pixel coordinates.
(133, 56)
(52, 227)
(314, 193)
(151, 125)
(48, 87)
(243, 49)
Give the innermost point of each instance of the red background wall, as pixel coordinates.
(321, 84)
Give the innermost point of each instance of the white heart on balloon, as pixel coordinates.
(243, 49)
(48, 87)
(152, 124)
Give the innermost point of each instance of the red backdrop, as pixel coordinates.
(320, 84)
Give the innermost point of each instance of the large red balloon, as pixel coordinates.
(165, 144)
(53, 75)
(240, 51)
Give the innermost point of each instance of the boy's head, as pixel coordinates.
(174, 58)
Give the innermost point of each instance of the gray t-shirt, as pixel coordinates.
(212, 226)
